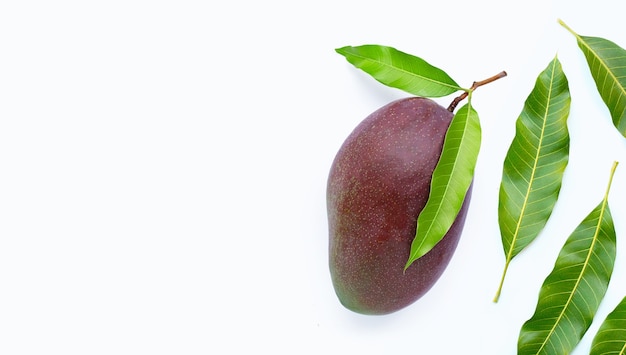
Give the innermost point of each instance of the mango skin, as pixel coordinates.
(377, 186)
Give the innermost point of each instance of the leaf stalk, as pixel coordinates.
(499, 291)
(608, 188)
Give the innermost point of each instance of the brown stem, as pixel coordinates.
(475, 85)
(456, 101)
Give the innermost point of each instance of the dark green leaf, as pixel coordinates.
(607, 63)
(611, 337)
(400, 70)
(450, 182)
(572, 292)
(534, 164)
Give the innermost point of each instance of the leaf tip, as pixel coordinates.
(341, 50)
(406, 266)
(413, 255)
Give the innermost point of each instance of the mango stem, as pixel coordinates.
(475, 85)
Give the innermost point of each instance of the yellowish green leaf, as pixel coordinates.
(534, 164)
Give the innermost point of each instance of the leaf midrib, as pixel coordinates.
(578, 280)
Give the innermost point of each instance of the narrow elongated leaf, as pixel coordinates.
(607, 63)
(400, 70)
(611, 337)
(534, 164)
(450, 182)
(572, 292)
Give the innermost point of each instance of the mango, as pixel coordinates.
(378, 184)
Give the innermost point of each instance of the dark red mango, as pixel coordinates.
(378, 184)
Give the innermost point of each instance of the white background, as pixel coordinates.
(163, 168)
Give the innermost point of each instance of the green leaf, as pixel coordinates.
(572, 292)
(534, 164)
(400, 70)
(450, 182)
(607, 63)
(611, 337)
